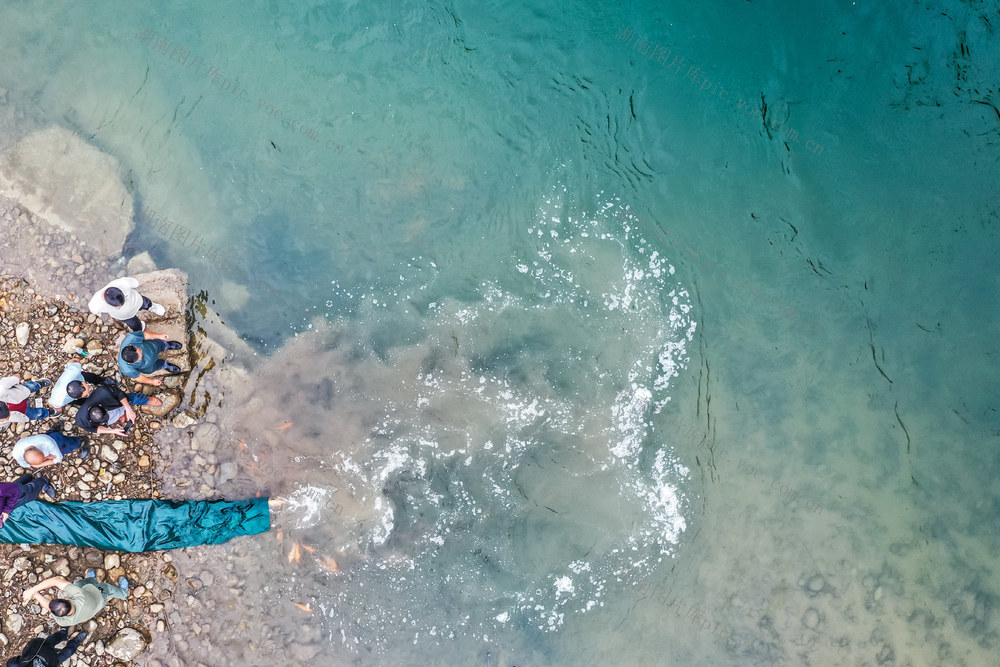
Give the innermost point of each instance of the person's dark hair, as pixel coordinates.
(60, 607)
(4, 410)
(114, 297)
(75, 389)
(97, 415)
(130, 354)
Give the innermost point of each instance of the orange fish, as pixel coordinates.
(295, 555)
(284, 426)
(303, 607)
(329, 564)
(308, 548)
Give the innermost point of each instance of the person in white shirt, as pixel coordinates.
(121, 300)
(14, 405)
(46, 449)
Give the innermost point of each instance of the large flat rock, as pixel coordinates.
(55, 174)
(167, 287)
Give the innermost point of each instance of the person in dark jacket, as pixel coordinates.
(25, 489)
(104, 405)
(42, 652)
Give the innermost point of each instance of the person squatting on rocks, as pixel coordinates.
(41, 652)
(23, 490)
(46, 449)
(14, 400)
(74, 372)
(139, 356)
(105, 405)
(78, 602)
(121, 300)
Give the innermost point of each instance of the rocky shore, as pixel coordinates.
(117, 468)
(56, 255)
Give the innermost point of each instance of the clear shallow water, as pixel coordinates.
(489, 407)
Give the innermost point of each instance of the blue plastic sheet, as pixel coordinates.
(136, 525)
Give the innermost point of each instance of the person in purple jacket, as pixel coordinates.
(25, 489)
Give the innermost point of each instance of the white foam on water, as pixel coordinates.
(603, 329)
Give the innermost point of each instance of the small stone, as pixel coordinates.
(155, 424)
(160, 625)
(170, 572)
(127, 644)
(195, 583)
(108, 453)
(810, 619)
(816, 583)
(91, 318)
(14, 622)
(155, 608)
(112, 561)
(22, 564)
(77, 258)
(227, 472)
(183, 420)
(143, 461)
(61, 567)
(119, 478)
(22, 333)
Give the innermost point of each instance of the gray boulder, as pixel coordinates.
(57, 175)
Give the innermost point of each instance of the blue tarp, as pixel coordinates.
(136, 525)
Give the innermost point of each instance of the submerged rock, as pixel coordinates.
(75, 186)
(183, 420)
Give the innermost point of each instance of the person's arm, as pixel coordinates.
(129, 412)
(49, 460)
(33, 592)
(102, 430)
(149, 335)
(8, 383)
(93, 378)
(145, 379)
(7, 504)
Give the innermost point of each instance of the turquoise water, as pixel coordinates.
(677, 352)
